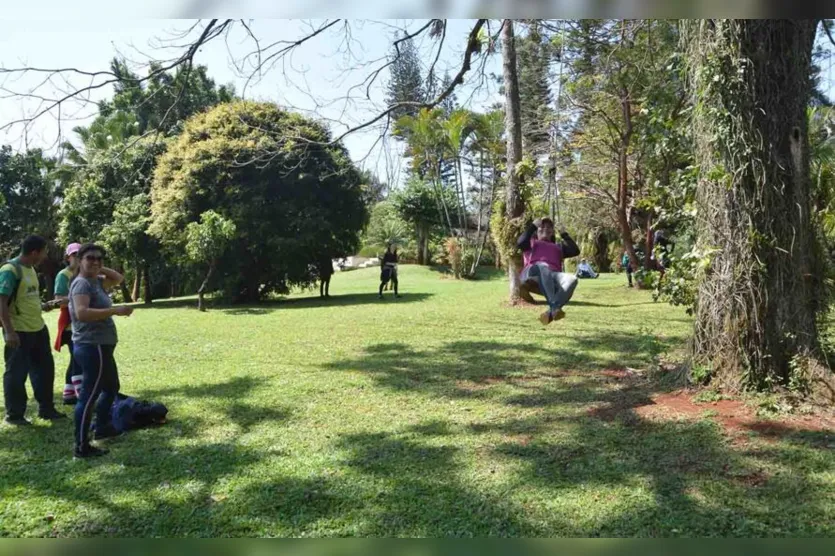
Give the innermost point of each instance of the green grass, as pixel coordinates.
(442, 413)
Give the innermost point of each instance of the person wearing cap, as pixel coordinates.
(72, 379)
(543, 271)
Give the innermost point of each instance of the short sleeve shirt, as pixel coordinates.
(25, 311)
(62, 282)
(101, 332)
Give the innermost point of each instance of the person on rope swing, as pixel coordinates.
(543, 271)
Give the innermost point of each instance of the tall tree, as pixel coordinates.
(514, 204)
(757, 300)
(535, 91)
(406, 82)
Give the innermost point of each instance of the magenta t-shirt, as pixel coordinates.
(544, 251)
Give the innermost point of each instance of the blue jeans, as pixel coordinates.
(557, 287)
(99, 386)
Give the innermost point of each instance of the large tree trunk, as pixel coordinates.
(758, 299)
(623, 179)
(515, 207)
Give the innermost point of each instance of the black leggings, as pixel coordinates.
(385, 278)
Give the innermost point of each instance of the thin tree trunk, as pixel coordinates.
(623, 180)
(515, 207)
(137, 280)
(146, 278)
(124, 287)
(757, 304)
(202, 290)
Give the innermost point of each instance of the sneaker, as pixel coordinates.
(18, 421)
(51, 414)
(106, 432)
(560, 314)
(70, 401)
(88, 451)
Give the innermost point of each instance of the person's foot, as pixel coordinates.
(106, 432)
(397, 296)
(379, 296)
(88, 451)
(70, 401)
(546, 318)
(559, 314)
(51, 414)
(18, 421)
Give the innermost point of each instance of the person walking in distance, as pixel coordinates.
(388, 272)
(27, 337)
(72, 378)
(94, 343)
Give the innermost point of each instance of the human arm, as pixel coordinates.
(12, 339)
(85, 313)
(569, 247)
(524, 241)
(111, 278)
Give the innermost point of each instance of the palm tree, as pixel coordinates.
(425, 145)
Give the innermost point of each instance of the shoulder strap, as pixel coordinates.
(18, 272)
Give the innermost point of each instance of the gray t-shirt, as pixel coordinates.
(101, 332)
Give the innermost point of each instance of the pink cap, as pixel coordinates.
(72, 249)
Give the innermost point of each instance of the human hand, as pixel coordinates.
(123, 311)
(12, 339)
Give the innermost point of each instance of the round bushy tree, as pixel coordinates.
(293, 196)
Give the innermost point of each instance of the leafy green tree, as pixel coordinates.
(385, 226)
(26, 197)
(417, 205)
(206, 243)
(292, 194)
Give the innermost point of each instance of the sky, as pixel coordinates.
(321, 78)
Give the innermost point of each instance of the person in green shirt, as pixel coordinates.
(27, 338)
(72, 378)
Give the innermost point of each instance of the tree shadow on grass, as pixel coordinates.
(443, 369)
(280, 304)
(335, 300)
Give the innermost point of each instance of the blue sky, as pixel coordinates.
(318, 78)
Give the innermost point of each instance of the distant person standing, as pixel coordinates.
(626, 264)
(27, 337)
(388, 272)
(72, 378)
(325, 274)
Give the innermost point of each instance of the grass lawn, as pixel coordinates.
(441, 413)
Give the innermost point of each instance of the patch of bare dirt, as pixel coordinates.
(735, 417)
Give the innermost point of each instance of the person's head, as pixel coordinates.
(35, 249)
(545, 231)
(90, 260)
(584, 261)
(392, 248)
(71, 254)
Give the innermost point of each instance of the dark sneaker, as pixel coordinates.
(88, 451)
(106, 432)
(70, 401)
(18, 421)
(51, 414)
